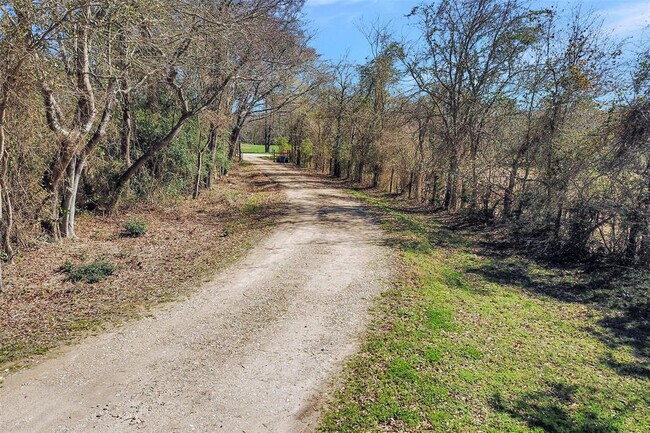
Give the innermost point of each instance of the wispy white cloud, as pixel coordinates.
(628, 18)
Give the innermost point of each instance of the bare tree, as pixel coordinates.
(466, 62)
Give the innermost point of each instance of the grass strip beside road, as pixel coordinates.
(452, 349)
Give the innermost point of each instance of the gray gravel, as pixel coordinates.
(255, 350)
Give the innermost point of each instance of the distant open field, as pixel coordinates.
(256, 148)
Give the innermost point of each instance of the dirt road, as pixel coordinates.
(252, 351)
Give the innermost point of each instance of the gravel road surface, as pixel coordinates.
(253, 351)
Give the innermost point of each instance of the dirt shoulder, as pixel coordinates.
(185, 243)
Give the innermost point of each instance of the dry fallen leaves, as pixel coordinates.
(185, 244)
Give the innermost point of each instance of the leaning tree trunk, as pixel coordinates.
(124, 179)
(232, 143)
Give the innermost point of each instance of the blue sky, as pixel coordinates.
(335, 23)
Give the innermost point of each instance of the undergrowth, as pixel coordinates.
(45, 304)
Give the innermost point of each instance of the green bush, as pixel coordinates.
(135, 227)
(90, 273)
(283, 144)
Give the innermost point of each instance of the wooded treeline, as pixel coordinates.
(110, 103)
(535, 120)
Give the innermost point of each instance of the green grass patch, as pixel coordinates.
(257, 148)
(135, 227)
(471, 342)
(90, 273)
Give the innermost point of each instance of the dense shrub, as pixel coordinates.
(135, 227)
(93, 272)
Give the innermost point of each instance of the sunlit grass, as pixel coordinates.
(451, 350)
(256, 148)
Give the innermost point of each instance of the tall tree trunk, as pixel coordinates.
(336, 152)
(197, 179)
(336, 162)
(75, 169)
(632, 244)
(434, 191)
(126, 131)
(638, 239)
(51, 216)
(509, 191)
(234, 141)
(551, 186)
(508, 195)
(267, 138)
(212, 148)
(54, 182)
(644, 246)
(6, 208)
(451, 199)
(70, 191)
(376, 176)
(70, 140)
(473, 194)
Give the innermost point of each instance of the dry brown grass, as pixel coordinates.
(186, 242)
